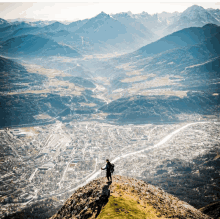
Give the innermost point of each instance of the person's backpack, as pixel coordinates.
(112, 166)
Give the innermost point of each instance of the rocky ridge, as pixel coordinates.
(89, 200)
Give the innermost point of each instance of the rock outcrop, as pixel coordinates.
(89, 200)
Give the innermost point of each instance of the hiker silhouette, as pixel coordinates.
(108, 170)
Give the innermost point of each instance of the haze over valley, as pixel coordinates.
(139, 89)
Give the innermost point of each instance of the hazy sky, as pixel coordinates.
(76, 11)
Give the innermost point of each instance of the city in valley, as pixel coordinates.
(41, 163)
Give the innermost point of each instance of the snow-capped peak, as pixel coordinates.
(198, 14)
(102, 15)
(193, 10)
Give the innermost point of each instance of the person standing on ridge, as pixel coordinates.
(108, 170)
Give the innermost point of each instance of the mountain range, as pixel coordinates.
(171, 76)
(102, 33)
(166, 23)
(158, 82)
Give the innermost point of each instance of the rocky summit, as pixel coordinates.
(125, 197)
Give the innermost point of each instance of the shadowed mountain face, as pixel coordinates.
(21, 32)
(143, 109)
(14, 76)
(183, 38)
(8, 29)
(31, 95)
(31, 45)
